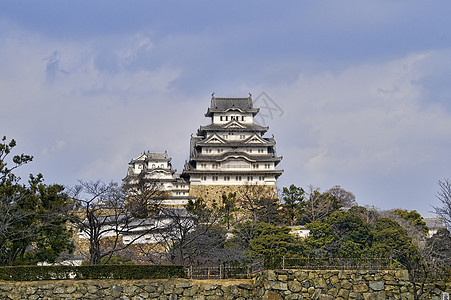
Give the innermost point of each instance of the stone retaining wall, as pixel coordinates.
(342, 284)
(267, 285)
(166, 289)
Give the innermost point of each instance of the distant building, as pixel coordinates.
(231, 151)
(157, 170)
(434, 224)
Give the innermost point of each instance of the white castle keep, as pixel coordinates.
(229, 152)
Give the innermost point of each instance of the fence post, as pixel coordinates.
(191, 271)
(208, 273)
(220, 271)
(283, 262)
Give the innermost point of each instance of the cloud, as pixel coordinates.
(81, 120)
(367, 124)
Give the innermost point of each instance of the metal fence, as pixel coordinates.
(367, 263)
(224, 271)
(284, 262)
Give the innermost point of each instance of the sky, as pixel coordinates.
(356, 93)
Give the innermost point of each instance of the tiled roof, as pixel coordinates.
(225, 104)
(222, 128)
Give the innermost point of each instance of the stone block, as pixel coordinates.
(360, 288)
(374, 296)
(320, 283)
(325, 297)
(277, 285)
(376, 285)
(271, 275)
(402, 274)
(270, 295)
(294, 286)
(343, 293)
(282, 277)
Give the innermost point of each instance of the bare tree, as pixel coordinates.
(319, 205)
(444, 195)
(260, 202)
(144, 195)
(344, 197)
(103, 218)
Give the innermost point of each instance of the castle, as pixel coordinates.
(226, 154)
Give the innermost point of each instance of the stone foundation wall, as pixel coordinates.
(342, 284)
(164, 289)
(267, 285)
(210, 192)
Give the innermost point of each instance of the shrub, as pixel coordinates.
(31, 273)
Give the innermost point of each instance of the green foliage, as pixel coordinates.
(263, 240)
(30, 273)
(229, 208)
(6, 175)
(414, 218)
(32, 227)
(113, 260)
(389, 238)
(293, 204)
(343, 234)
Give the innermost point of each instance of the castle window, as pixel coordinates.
(238, 178)
(267, 166)
(242, 118)
(242, 136)
(215, 178)
(261, 178)
(220, 118)
(250, 178)
(226, 178)
(226, 118)
(162, 166)
(255, 166)
(204, 178)
(250, 150)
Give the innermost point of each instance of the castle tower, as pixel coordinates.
(157, 170)
(231, 151)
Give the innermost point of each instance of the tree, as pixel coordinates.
(259, 202)
(319, 205)
(368, 214)
(194, 235)
(390, 239)
(444, 196)
(6, 173)
(229, 208)
(32, 227)
(293, 204)
(343, 234)
(144, 195)
(102, 218)
(343, 197)
(266, 241)
(414, 219)
(439, 254)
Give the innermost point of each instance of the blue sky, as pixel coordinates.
(362, 86)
